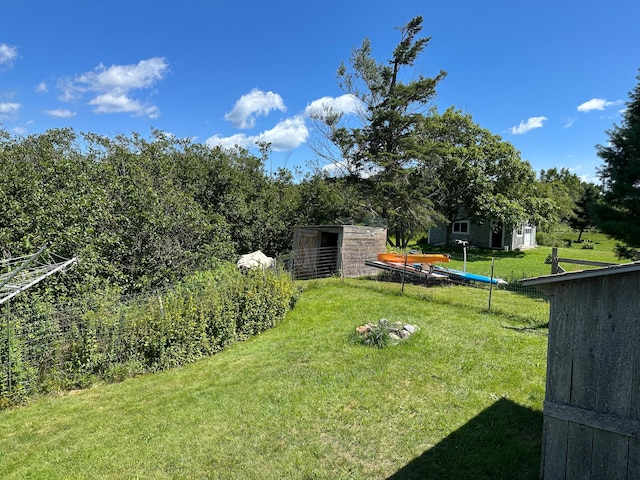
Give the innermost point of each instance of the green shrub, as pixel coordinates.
(624, 252)
(103, 338)
(549, 239)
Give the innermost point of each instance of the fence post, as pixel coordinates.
(554, 260)
(404, 270)
(491, 282)
(9, 379)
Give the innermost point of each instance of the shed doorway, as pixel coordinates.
(497, 234)
(328, 258)
(323, 250)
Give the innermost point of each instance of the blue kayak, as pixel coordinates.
(468, 276)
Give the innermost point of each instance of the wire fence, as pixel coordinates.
(312, 263)
(37, 338)
(332, 262)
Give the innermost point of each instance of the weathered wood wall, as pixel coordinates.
(592, 404)
(354, 245)
(358, 245)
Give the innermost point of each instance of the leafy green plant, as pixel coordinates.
(42, 349)
(625, 253)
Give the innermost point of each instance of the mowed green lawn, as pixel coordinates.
(514, 265)
(461, 399)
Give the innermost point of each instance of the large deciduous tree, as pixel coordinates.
(565, 188)
(618, 212)
(140, 213)
(476, 174)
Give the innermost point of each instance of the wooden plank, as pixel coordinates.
(621, 426)
(633, 466)
(614, 372)
(560, 343)
(610, 454)
(633, 296)
(554, 448)
(585, 298)
(554, 441)
(592, 263)
(579, 450)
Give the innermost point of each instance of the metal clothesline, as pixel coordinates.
(28, 273)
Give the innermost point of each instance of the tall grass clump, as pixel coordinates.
(107, 339)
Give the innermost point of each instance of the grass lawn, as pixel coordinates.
(461, 399)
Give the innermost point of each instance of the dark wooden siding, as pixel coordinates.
(592, 402)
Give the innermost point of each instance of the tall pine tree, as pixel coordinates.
(618, 212)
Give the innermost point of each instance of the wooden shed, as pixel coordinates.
(325, 250)
(592, 400)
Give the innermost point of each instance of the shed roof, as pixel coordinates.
(595, 272)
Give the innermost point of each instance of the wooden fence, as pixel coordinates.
(555, 262)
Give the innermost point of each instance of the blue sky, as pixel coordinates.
(551, 77)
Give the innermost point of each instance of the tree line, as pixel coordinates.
(141, 213)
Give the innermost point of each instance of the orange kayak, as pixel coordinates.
(413, 257)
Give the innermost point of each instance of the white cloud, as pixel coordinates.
(567, 122)
(7, 54)
(597, 104)
(286, 135)
(60, 113)
(9, 109)
(42, 87)
(530, 124)
(254, 103)
(228, 143)
(289, 133)
(114, 102)
(343, 104)
(125, 77)
(112, 87)
(19, 130)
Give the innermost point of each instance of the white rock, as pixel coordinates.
(411, 328)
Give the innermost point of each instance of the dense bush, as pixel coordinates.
(105, 339)
(139, 213)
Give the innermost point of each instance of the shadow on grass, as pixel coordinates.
(501, 442)
(533, 328)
